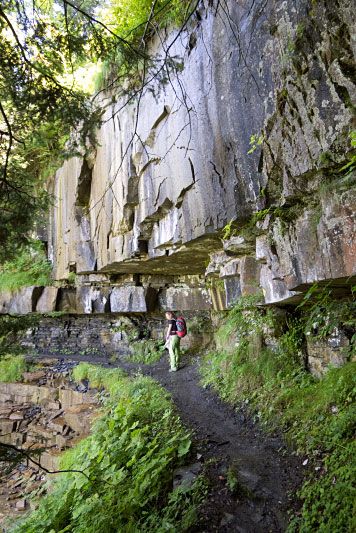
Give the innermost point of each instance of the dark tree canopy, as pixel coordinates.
(40, 104)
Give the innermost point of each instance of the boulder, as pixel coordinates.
(47, 301)
(185, 299)
(80, 418)
(33, 376)
(128, 299)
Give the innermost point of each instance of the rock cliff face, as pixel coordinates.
(155, 195)
(140, 220)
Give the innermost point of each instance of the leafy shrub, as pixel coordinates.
(129, 460)
(30, 267)
(11, 367)
(317, 416)
(147, 351)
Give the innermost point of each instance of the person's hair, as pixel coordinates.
(170, 314)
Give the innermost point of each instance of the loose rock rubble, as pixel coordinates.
(47, 412)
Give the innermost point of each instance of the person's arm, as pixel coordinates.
(169, 332)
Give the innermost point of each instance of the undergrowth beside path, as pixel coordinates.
(128, 462)
(318, 417)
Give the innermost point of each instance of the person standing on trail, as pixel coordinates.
(174, 342)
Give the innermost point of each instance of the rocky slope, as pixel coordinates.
(43, 415)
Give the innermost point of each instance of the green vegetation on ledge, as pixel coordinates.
(129, 459)
(317, 416)
(30, 267)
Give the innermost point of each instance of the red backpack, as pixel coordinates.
(181, 327)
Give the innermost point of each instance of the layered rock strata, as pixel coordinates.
(45, 413)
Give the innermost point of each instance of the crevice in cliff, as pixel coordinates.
(183, 192)
(36, 294)
(219, 175)
(152, 135)
(148, 163)
(84, 185)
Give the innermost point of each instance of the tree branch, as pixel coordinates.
(8, 151)
(92, 19)
(24, 454)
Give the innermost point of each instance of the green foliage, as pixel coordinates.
(256, 140)
(11, 367)
(350, 167)
(232, 480)
(198, 324)
(146, 351)
(317, 416)
(285, 215)
(326, 416)
(71, 278)
(260, 215)
(130, 459)
(88, 351)
(132, 333)
(98, 376)
(227, 230)
(324, 313)
(129, 17)
(30, 267)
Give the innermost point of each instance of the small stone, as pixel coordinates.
(227, 519)
(33, 376)
(21, 504)
(16, 416)
(53, 406)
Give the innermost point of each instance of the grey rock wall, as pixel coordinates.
(153, 199)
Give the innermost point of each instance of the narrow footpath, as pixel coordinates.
(267, 476)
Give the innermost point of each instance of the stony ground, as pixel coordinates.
(267, 476)
(48, 413)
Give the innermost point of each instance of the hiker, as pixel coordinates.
(174, 341)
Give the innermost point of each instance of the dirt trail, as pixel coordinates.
(268, 478)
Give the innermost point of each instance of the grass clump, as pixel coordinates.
(98, 376)
(146, 351)
(129, 459)
(12, 367)
(318, 417)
